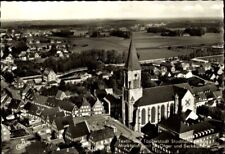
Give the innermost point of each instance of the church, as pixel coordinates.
(143, 105)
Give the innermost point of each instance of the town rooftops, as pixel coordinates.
(102, 134)
(132, 62)
(205, 88)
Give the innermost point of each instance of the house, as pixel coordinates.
(30, 83)
(64, 94)
(184, 74)
(9, 59)
(101, 138)
(96, 105)
(112, 105)
(67, 107)
(49, 75)
(83, 107)
(23, 56)
(49, 114)
(168, 143)
(5, 133)
(205, 93)
(200, 132)
(60, 123)
(40, 100)
(185, 65)
(19, 83)
(77, 132)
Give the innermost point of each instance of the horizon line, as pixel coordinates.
(160, 18)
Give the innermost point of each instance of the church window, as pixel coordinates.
(153, 115)
(143, 113)
(129, 84)
(162, 111)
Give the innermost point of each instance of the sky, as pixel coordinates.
(109, 10)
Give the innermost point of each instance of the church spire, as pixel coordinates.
(132, 62)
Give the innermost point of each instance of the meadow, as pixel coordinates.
(149, 46)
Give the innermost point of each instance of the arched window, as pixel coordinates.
(162, 111)
(171, 109)
(143, 113)
(153, 115)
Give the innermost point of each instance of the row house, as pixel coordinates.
(49, 76)
(59, 124)
(202, 133)
(102, 138)
(77, 133)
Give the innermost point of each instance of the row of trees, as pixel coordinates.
(93, 59)
(201, 52)
(192, 31)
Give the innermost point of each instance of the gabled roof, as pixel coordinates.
(78, 130)
(132, 62)
(39, 99)
(66, 105)
(162, 94)
(175, 123)
(102, 134)
(156, 95)
(61, 122)
(47, 71)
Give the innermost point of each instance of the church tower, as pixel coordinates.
(132, 89)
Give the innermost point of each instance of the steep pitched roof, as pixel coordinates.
(162, 94)
(61, 122)
(132, 62)
(102, 134)
(78, 130)
(156, 95)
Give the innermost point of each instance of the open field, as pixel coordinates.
(149, 46)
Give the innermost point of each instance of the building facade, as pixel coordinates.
(140, 106)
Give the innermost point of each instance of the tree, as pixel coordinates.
(62, 85)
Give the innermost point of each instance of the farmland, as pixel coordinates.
(149, 46)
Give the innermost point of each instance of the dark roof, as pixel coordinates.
(66, 105)
(162, 94)
(78, 130)
(51, 113)
(112, 99)
(175, 123)
(132, 62)
(156, 95)
(92, 100)
(204, 88)
(14, 104)
(202, 126)
(61, 122)
(101, 93)
(40, 99)
(102, 134)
